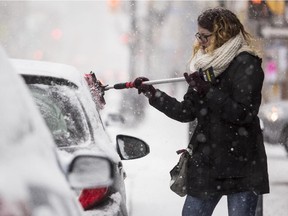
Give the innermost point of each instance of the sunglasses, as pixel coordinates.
(202, 38)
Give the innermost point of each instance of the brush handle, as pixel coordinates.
(150, 82)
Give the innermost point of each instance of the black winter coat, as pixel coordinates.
(228, 149)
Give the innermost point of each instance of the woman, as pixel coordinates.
(228, 152)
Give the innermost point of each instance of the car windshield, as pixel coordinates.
(63, 113)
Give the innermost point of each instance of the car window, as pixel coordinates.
(63, 113)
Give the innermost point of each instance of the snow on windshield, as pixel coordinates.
(63, 114)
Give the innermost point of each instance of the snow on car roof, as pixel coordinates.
(44, 68)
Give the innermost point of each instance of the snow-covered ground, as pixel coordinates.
(148, 178)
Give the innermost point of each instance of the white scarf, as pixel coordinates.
(221, 57)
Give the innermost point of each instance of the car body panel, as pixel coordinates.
(32, 182)
(115, 204)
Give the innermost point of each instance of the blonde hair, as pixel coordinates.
(223, 24)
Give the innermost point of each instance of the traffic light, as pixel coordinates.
(257, 9)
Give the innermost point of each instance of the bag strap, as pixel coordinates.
(180, 151)
(188, 150)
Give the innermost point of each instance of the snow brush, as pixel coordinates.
(97, 88)
(208, 75)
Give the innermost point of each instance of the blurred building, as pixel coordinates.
(269, 22)
(81, 33)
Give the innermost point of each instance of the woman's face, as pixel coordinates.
(203, 36)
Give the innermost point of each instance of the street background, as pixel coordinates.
(120, 40)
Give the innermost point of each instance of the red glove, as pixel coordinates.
(197, 83)
(148, 90)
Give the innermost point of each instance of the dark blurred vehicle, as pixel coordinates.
(274, 116)
(32, 172)
(65, 101)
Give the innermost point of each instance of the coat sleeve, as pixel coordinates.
(241, 105)
(181, 111)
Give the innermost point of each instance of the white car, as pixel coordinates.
(72, 115)
(32, 173)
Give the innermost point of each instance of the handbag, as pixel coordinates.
(179, 173)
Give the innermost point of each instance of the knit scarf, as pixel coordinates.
(221, 57)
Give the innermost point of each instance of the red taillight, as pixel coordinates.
(89, 197)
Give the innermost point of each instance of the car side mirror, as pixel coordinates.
(90, 171)
(129, 147)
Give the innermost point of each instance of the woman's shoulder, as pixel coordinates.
(247, 57)
(247, 62)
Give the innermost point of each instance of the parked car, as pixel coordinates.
(65, 101)
(274, 116)
(32, 172)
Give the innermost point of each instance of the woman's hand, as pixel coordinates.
(148, 90)
(197, 83)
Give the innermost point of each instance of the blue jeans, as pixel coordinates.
(239, 204)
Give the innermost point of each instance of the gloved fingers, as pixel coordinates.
(143, 89)
(194, 78)
(138, 81)
(190, 79)
(186, 76)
